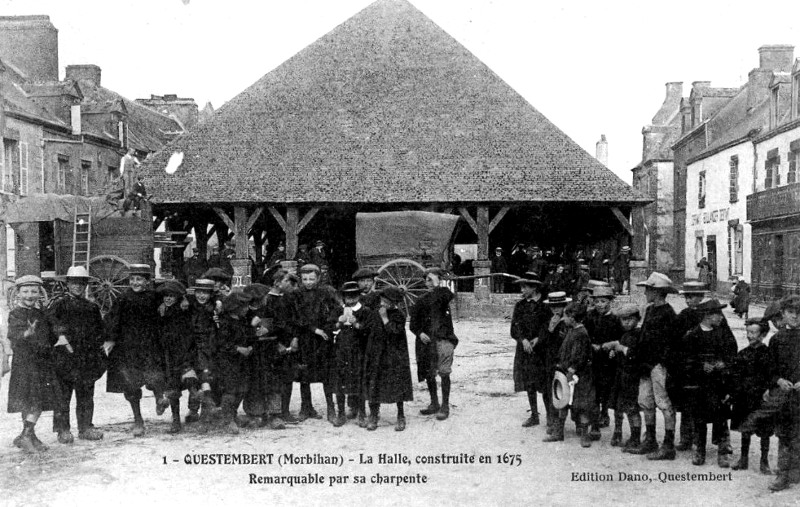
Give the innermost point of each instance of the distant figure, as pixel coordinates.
(704, 271)
(741, 298)
(137, 194)
(194, 267)
(499, 265)
(277, 256)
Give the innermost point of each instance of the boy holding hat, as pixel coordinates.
(178, 347)
(33, 387)
(132, 345)
(387, 369)
(317, 309)
(354, 326)
(784, 356)
(436, 341)
(78, 321)
(550, 340)
(657, 333)
(625, 392)
(528, 321)
(603, 327)
(708, 353)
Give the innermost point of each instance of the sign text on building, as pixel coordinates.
(707, 217)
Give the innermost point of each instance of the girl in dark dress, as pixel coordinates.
(751, 377)
(33, 386)
(387, 369)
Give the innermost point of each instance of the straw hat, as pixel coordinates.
(658, 281)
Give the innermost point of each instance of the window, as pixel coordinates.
(61, 177)
(773, 108)
(796, 82)
(794, 161)
(23, 168)
(86, 168)
(734, 187)
(772, 169)
(701, 189)
(2, 165)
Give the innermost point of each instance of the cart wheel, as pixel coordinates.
(109, 278)
(408, 276)
(56, 289)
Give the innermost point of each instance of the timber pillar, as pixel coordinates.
(482, 281)
(241, 273)
(639, 273)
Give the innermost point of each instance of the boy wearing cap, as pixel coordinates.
(625, 392)
(784, 358)
(499, 265)
(622, 268)
(132, 345)
(33, 387)
(436, 341)
(78, 321)
(387, 369)
(354, 327)
(750, 380)
(365, 277)
(657, 333)
(317, 309)
(603, 327)
(708, 353)
(202, 305)
(550, 340)
(528, 322)
(178, 346)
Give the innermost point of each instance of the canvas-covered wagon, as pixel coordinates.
(53, 232)
(401, 245)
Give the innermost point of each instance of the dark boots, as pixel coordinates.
(635, 441)
(533, 420)
(25, 439)
(667, 449)
(649, 444)
(138, 422)
(764, 465)
(374, 414)
(743, 462)
(557, 430)
(434, 406)
(444, 410)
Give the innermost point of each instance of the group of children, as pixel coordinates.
(225, 348)
(686, 363)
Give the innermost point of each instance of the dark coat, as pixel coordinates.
(177, 343)
(33, 385)
(370, 299)
(136, 360)
(204, 331)
(705, 391)
(625, 392)
(576, 353)
(194, 269)
(741, 299)
(318, 257)
(784, 362)
(317, 309)
(349, 348)
(387, 368)
(603, 329)
(80, 321)
(550, 346)
(499, 264)
(233, 369)
(529, 321)
(750, 378)
(284, 317)
(658, 333)
(431, 315)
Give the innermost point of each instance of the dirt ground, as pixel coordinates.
(485, 422)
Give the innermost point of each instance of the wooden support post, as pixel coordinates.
(225, 218)
(201, 237)
(624, 222)
(483, 233)
(292, 225)
(499, 216)
(240, 232)
(252, 220)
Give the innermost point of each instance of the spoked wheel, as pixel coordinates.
(56, 289)
(109, 278)
(408, 276)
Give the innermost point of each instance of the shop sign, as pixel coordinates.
(708, 217)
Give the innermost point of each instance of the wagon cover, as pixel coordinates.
(49, 207)
(409, 234)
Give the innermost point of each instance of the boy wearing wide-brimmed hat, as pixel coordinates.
(132, 345)
(528, 322)
(365, 277)
(549, 345)
(436, 341)
(708, 353)
(387, 368)
(33, 387)
(202, 305)
(658, 333)
(78, 321)
(603, 326)
(625, 392)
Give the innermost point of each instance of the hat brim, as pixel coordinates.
(561, 390)
(527, 281)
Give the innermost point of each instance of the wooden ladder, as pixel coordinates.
(81, 237)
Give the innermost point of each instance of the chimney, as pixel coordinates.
(86, 72)
(696, 99)
(778, 57)
(30, 43)
(601, 150)
(674, 91)
(686, 116)
(75, 118)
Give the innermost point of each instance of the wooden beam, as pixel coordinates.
(211, 232)
(252, 220)
(225, 218)
(483, 233)
(622, 220)
(465, 213)
(292, 231)
(499, 216)
(447, 211)
(278, 217)
(240, 232)
(306, 219)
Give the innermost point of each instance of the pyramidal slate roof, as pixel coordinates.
(385, 108)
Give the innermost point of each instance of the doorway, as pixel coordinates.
(711, 249)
